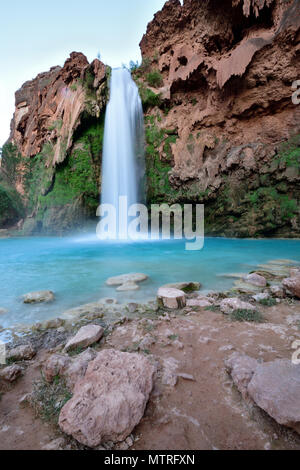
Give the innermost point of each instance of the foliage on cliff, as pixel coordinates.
(11, 206)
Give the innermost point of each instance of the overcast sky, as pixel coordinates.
(36, 35)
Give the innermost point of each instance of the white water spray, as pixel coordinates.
(123, 152)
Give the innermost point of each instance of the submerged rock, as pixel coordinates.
(125, 278)
(243, 287)
(171, 298)
(86, 336)
(108, 301)
(110, 400)
(94, 308)
(184, 286)
(256, 280)
(3, 311)
(39, 296)
(127, 286)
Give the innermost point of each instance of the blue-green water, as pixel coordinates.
(76, 269)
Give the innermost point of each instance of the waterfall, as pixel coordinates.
(123, 152)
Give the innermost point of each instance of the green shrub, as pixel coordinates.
(10, 159)
(11, 206)
(246, 316)
(269, 302)
(49, 398)
(154, 78)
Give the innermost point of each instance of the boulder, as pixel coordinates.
(108, 301)
(255, 280)
(241, 368)
(54, 323)
(171, 298)
(10, 373)
(78, 366)
(243, 287)
(86, 336)
(294, 272)
(185, 286)
(127, 286)
(124, 278)
(275, 387)
(200, 302)
(93, 308)
(56, 365)
(261, 296)
(292, 284)
(110, 400)
(39, 296)
(227, 306)
(21, 353)
(277, 291)
(3, 311)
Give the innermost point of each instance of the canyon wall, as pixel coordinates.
(224, 130)
(53, 156)
(221, 128)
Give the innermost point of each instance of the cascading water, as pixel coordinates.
(123, 152)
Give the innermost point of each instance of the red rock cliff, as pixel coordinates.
(227, 68)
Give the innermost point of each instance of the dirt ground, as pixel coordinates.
(194, 404)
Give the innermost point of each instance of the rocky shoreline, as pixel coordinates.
(55, 368)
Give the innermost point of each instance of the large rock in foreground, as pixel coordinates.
(275, 387)
(110, 400)
(171, 298)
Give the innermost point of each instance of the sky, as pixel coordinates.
(36, 35)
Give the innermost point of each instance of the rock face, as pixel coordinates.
(110, 400)
(39, 296)
(275, 387)
(228, 131)
(221, 126)
(86, 336)
(59, 118)
(171, 298)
